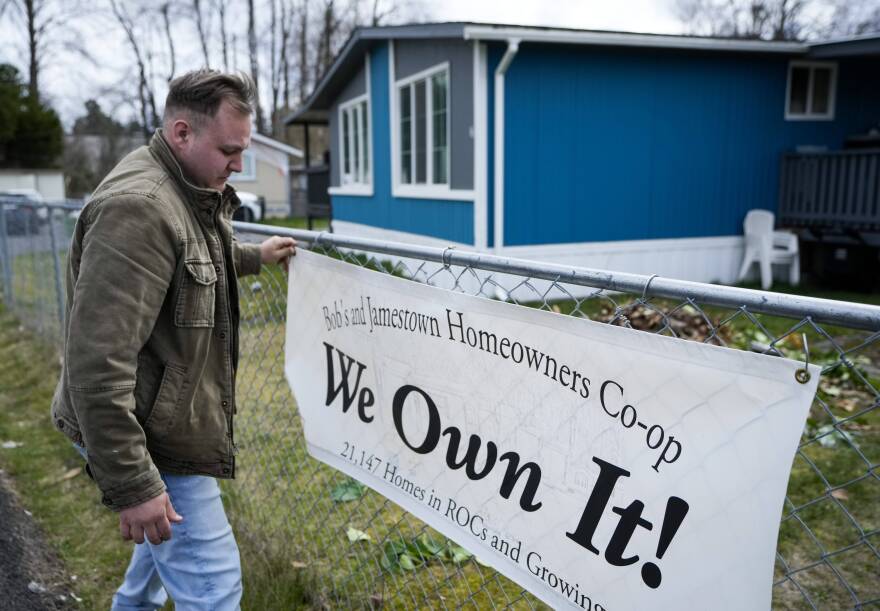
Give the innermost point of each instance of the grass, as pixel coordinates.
(293, 536)
(52, 484)
(67, 507)
(298, 222)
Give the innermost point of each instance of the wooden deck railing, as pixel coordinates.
(835, 189)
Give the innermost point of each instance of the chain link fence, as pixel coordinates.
(354, 549)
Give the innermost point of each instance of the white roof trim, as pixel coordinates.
(276, 145)
(843, 39)
(629, 40)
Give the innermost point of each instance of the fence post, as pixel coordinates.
(58, 294)
(4, 251)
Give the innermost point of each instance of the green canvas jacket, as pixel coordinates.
(151, 332)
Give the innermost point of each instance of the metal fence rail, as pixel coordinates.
(301, 515)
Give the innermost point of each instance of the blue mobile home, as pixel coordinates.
(621, 151)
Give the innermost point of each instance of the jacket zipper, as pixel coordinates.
(229, 347)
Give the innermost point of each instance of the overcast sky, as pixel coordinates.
(68, 81)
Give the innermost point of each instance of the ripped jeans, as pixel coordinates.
(199, 567)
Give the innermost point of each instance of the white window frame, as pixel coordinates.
(364, 189)
(245, 175)
(832, 93)
(426, 76)
(428, 190)
(357, 176)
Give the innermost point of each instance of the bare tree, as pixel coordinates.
(202, 28)
(146, 96)
(255, 64)
(329, 26)
(765, 19)
(287, 19)
(47, 30)
(274, 74)
(853, 18)
(303, 55)
(300, 43)
(31, 10)
(172, 58)
(221, 10)
(787, 19)
(279, 69)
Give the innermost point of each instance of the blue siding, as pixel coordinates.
(448, 220)
(627, 144)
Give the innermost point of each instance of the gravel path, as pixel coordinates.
(32, 577)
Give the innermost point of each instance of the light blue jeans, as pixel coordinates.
(199, 567)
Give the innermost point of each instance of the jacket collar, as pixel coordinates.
(202, 197)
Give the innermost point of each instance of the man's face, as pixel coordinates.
(213, 151)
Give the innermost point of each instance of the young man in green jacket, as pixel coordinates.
(147, 391)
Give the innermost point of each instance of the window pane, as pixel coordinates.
(345, 152)
(405, 136)
(821, 90)
(421, 132)
(248, 165)
(797, 97)
(439, 112)
(365, 137)
(248, 168)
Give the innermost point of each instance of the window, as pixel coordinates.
(354, 141)
(810, 90)
(423, 108)
(248, 168)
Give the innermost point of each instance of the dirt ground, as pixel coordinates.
(31, 575)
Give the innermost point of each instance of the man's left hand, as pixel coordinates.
(278, 250)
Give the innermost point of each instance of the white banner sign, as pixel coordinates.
(599, 467)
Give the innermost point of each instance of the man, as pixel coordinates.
(147, 390)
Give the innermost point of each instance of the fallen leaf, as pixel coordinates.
(357, 535)
(69, 474)
(841, 494)
(348, 490)
(299, 565)
(829, 388)
(847, 404)
(407, 563)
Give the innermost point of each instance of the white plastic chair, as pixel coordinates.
(766, 247)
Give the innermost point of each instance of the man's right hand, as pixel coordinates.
(151, 520)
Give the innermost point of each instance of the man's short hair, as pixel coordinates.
(201, 92)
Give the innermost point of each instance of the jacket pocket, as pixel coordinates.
(196, 297)
(165, 407)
